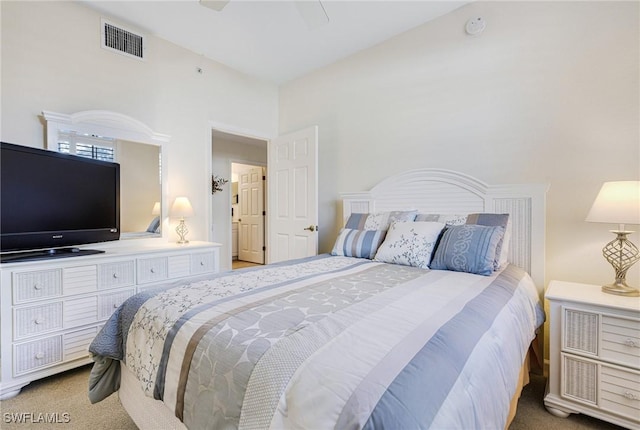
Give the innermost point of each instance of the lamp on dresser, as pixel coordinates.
(618, 203)
(181, 208)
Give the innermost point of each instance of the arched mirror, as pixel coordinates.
(139, 151)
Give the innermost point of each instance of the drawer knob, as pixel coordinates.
(38, 321)
(629, 395)
(632, 343)
(39, 356)
(152, 270)
(37, 287)
(115, 276)
(202, 263)
(115, 306)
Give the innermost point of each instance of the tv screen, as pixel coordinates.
(51, 200)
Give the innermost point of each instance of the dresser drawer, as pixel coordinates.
(179, 266)
(202, 262)
(37, 319)
(43, 284)
(118, 274)
(76, 343)
(108, 303)
(152, 270)
(80, 280)
(620, 341)
(620, 391)
(31, 356)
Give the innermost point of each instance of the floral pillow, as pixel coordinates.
(358, 243)
(410, 243)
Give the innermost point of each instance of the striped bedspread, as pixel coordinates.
(327, 342)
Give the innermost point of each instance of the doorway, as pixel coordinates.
(228, 147)
(248, 214)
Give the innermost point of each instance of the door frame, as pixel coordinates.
(213, 126)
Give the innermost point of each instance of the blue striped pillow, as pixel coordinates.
(358, 243)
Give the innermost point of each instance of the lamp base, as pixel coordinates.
(182, 231)
(621, 253)
(621, 289)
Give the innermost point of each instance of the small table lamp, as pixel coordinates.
(618, 203)
(181, 208)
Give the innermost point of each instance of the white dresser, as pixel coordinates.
(594, 354)
(50, 310)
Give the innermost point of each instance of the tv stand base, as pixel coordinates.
(45, 254)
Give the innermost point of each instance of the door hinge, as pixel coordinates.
(264, 178)
(264, 213)
(264, 248)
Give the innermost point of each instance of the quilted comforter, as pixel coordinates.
(327, 342)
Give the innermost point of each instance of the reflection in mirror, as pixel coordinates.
(140, 187)
(115, 137)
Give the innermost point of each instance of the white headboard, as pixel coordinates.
(448, 192)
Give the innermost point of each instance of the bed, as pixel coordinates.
(367, 337)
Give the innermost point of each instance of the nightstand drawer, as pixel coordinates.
(579, 379)
(580, 331)
(620, 391)
(621, 341)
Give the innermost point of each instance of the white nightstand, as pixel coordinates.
(594, 354)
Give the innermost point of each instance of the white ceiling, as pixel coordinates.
(270, 39)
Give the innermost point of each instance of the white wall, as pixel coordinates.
(52, 60)
(548, 93)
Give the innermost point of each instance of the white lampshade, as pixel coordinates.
(617, 203)
(156, 209)
(181, 208)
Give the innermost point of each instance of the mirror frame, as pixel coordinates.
(117, 126)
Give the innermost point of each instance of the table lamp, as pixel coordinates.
(618, 203)
(181, 208)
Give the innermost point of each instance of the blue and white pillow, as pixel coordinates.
(468, 248)
(492, 219)
(378, 220)
(358, 243)
(410, 243)
(448, 219)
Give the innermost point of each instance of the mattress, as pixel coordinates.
(327, 342)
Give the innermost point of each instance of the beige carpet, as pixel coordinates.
(64, 397)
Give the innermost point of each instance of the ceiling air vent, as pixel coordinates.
(121, 40)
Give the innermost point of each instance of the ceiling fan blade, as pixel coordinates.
(312, 12)
(214, 4)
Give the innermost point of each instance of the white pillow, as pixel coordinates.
(410, 243)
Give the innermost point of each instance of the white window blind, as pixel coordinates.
(89, 146)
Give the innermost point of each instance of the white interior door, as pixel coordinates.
(251, 217)
(293, 195)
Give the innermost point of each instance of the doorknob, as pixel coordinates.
(312, 228)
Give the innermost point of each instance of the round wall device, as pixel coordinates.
(475, 25)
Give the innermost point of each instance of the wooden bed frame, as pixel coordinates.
(428, 191)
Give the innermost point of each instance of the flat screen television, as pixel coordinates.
(50, 201)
